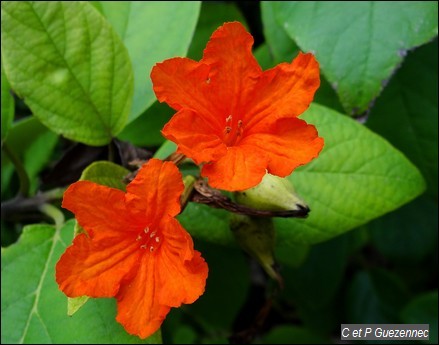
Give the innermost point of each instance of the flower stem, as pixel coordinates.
(111, 153)
(54, 213)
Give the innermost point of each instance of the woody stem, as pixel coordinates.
(21, 204)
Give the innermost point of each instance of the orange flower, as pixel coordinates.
(239, 120)
(133, 249)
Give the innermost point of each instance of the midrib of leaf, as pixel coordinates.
(34, 310)
(125, 26)
(84, 92)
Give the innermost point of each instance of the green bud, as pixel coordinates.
(256, 236)
(272, 194)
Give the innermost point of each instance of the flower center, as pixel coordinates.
(233, 131)
(148, 240)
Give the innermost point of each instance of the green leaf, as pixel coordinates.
(423, 309)
(358, 45)
(106, 173)
(307, 280)
(313, 286)
(7, 105)
(291, 255)
(152, 31)
(357, 177)
(358, 239)
(263, 55)
(410, 105)
(34, 310)
(184, 335)
(283, 49)
(207, 223)
(280, 45)
(212, 15)
(375, 297)
(145, 130)
(70, 67)
(33, 144)
(409, 234)
(229, 275)
(165, 150)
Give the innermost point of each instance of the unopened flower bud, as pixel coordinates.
(272, 194)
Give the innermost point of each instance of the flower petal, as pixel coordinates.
(194, 136)
(283, 91)
(138, 307)
(155, 191)
(94, 267)
(289, 143)
(234, 69)
(241, 168)
(184, 83)
(182, 270)
(100, 210)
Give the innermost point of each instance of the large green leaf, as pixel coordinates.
(229, 275)
(34, 310)
(264, 57)
(167, 148)
(207, 223)
(357, 177)
(313, 286)
(105, 173)
(213, 14)
(280, 45)
(423, 309)
(306, 281)
(152, 31)
(33, 144)
(409, 234)
(283, 49)
(377, 296)
(358, 44)
(145, 130)
(70, 67)
(410, 105)
(7, 105)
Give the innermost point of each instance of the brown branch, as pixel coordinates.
(204, 194)
(13, 208)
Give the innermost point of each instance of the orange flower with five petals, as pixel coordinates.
(133, 248)
(236, 119)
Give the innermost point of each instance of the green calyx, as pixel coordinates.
(272, 194)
